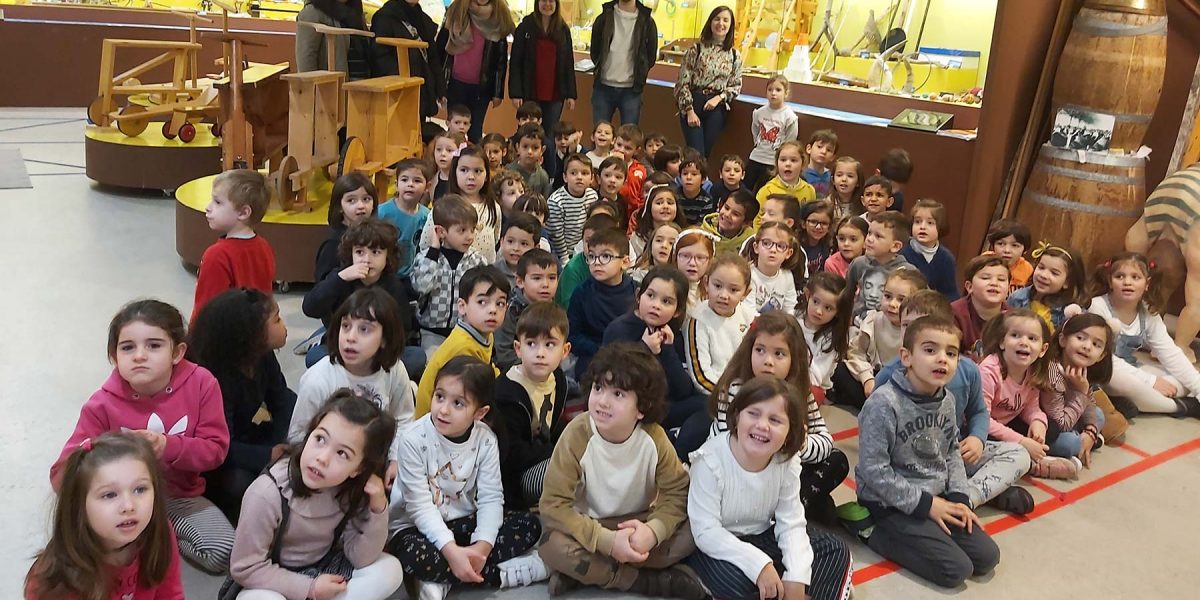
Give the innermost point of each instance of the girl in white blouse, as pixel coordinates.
(744, 505)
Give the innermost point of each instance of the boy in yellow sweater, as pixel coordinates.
(482, 303)
(614, 501)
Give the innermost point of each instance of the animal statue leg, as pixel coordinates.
(1189, 318)
(1138, 238)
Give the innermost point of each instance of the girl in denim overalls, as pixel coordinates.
(1127, 296)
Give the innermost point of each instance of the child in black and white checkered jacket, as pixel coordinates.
(438, 270)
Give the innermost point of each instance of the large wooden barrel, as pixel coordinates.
(1114, 63)
(1089, 205)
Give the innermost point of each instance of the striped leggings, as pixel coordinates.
(205, 535)
(832, 567)
(532, 482)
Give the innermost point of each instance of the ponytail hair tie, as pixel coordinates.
(1151, 264)
(86, 445)
(1107, 264)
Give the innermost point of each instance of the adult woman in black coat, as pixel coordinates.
(542, 66)
(406, 19)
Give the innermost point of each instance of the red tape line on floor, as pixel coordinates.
(887, 567)
(1131, 449)
(841, 435)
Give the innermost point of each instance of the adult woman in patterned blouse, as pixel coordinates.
(710, 77)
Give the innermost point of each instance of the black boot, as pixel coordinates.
(1125, 406)
(1188, 407)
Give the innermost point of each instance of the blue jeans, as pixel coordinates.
(606, 100)
(1069, 443)
(475, 99)
(712, 123)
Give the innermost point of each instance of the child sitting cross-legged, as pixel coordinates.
(1082, 356)
(482, 302)
(614, 504)
(745, 508)
(1013, 374)
(910, 473)
(530, 398)
(992, 466)
(536, 281)
(314, 524)
(449, 504)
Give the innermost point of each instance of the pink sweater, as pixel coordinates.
(308, 537)
(836, 263)
(126, 585)
(190, 412)
(1007, 400)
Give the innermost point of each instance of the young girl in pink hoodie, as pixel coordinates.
(175, 405)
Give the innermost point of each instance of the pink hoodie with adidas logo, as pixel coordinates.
(189, 412)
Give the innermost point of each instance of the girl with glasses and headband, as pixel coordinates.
(694, 250)
(773, 283)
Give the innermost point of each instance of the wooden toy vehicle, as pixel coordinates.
(383, 123)
(316, 105)
(133, 119)
(253, 117)
(184, 87)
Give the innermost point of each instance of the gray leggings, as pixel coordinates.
(1001, 465)
(205, 535)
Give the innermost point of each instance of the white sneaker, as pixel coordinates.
(523, 570)
(428, 590)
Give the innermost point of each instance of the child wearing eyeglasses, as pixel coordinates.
(607, 294)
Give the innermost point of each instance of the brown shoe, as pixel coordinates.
(560, 584)
(672, 582)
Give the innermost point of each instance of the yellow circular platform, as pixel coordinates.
(149, 161)
(294, 236)
(152, 137)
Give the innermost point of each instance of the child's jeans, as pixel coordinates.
(1070, 443)
(562, 553)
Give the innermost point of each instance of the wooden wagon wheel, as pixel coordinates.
(133, 127)
(354, 155)
(288, 196)
(96, 112)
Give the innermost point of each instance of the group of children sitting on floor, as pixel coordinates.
(701, 324)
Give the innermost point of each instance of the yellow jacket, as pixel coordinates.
(463, 340)
(802, 191)
(727, 244)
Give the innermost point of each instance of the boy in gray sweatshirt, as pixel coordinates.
(910, 474)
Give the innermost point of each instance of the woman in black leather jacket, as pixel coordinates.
(543, 66)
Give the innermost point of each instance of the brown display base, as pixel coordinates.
(148, 166)
(295, 244)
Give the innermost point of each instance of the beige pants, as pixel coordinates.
(562, 553)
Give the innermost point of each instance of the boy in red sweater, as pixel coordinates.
(239, 258)
(629, 140)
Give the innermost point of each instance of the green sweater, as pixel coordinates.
(574, 273)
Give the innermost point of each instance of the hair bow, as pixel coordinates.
(86, 445)
(1043, 246)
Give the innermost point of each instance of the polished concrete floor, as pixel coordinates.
(73, 252)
